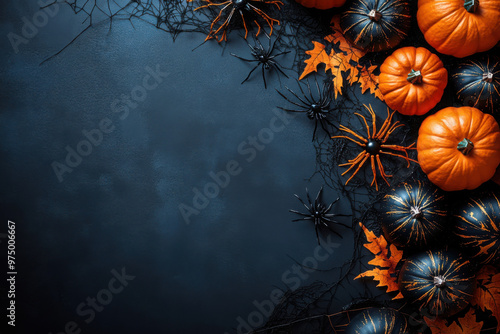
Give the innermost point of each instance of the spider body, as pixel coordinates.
(374, 146)
(230, 8)
(316, 108)
(263, 57)
(318, 213)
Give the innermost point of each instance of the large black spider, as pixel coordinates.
(220, 24)
(316, 108)
(263, 57)
(319, 213)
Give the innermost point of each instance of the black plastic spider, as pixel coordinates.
(263, 57)
(319, 213)
(317, 108)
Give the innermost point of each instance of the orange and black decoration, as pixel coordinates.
(374, 145)
(413, 214)
(477, 227)
(440, 283)
(378, 320)
(374, 25)
(248, 11)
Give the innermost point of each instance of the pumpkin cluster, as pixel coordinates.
(441, 281)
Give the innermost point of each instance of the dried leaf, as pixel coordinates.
(337, 65)
(386, 259)
(344, 61)
(318, 56)
(487, 294)
(465, 325)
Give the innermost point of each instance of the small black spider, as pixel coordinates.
(319, 213)
(316, 108)
(263, 57)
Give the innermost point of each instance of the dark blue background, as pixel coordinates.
(119, 207)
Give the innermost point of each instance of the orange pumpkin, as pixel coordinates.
(321, 4)
(460, 28)
(412, 80)
(459, 148)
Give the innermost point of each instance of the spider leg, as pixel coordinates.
(366, 124)
(305, 103)
(300, 213)
(315, 128)
(299, 219)
(308, 198)
(270, 21)
(244, 59)
(249, 74)
(290, 101)
(333, 231)
(264, 77)
(318, 196)
(258, 26)
(309, 90)
(324, 127)
(386, 126)
(374, 121)
(339, 223)
(277, 66)
(309, 102)
(301, 201)
(391, 130)
(351, 139)
(331, 204)
(401, 156)
(374, 171)
(317, 233)
(223, 26)
(244, 23)
(346, 129)
(382, 171)
(360, 164)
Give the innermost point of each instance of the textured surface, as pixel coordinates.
(119, 206)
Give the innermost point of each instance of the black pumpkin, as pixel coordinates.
(413, 215)
(477, 83)
(441, 283)
(378, 321)
(477, 226)
(374, 25)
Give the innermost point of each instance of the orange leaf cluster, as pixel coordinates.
(385, 261)
(346, 61)
(465, 325)
(487, 294)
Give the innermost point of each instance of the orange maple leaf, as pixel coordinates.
(346, 60)
(318, 56)
(465, 325)
(487, 294)
(368, 80)
(386, 259)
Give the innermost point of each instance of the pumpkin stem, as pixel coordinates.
(416, 213)
(439, 281)
(414, 77)
(465, 146)
(471, 5)
(374, 15)
(488, 77)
